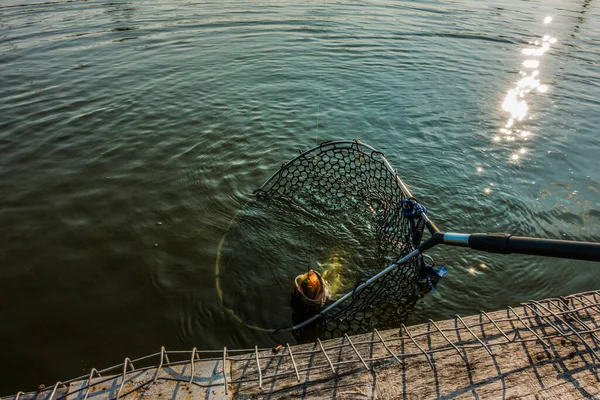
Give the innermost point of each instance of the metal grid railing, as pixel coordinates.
(574, 319)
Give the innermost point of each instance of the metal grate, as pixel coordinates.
(573, 320)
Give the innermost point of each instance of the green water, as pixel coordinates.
(132, 132)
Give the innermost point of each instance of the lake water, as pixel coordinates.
(131, 133)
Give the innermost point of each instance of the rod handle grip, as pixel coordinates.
(490, 242)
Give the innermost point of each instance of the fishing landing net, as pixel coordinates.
(345, 191)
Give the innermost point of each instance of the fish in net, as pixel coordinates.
(357, 180)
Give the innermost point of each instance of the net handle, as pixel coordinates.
(506, 243)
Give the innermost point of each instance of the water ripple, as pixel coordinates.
(133, 132)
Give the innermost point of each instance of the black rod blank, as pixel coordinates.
(507, 243)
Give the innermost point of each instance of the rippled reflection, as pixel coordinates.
(516, 107)
(531, 63)
(488, 189)
(515, 101)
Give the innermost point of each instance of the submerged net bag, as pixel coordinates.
(353, 178)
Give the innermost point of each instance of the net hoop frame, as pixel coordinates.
(337, 144)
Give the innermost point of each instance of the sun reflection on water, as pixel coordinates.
(515, 101)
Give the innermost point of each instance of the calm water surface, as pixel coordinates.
(132, 132)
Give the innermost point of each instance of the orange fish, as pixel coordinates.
(311, 286)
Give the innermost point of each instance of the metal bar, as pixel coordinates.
(110, 378)
(475, 325)
(162, 356)
(594, 294)
(431, 227)
(356, 351)
(584, 301)
(54, 390)
(575, 316)
(528, 328)
(107, 370)
(557, 303)
(496, 325)
(386, 346)
(326, 356)
(517, 317)
(419, 347)
(124, 373)
(258, 368)
(87, 392)
(322, 366)
(586, 344)
(224, 372)
(192, 365)
(474, 335)
(544, 310)
(556, 328)
(393, 171)
(293, 361)
(546, 317)
(447, 340)
(341, 363)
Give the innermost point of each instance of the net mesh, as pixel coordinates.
(357, 179)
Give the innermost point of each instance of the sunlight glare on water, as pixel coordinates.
(515, 102)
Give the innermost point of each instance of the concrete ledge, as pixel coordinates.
(541, 349)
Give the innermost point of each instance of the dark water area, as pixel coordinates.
(132, 133)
